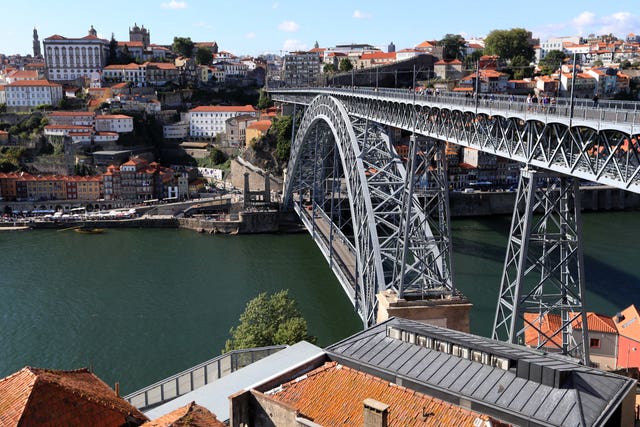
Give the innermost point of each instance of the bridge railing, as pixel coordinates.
(623, 113)
(197, 376)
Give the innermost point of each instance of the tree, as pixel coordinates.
(508, 44)
(471, 60)
(203, 56)
(521, 67)
(551, 61)
(281, 129)
(263, 101)
(217, 156)
(625, 64)
(345, 65)
(183, 46)
(113, 50)
(329, 68)
(453, 46)
(269, 320)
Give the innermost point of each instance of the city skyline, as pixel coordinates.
(278, 26)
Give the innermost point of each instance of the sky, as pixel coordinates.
(253, 27)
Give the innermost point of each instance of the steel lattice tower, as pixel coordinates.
(543, 273)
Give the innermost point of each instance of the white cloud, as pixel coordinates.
(289, 26)
(585, 19)
(174, 4)
(293, 45)
(620, 23)
(275, 5)
(250, 36)
(358, 14)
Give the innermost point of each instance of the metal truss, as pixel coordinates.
(542, 290)
(595, 150)
(332, 149)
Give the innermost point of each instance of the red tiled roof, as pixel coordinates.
(34, 396)
(34, 83)
(223, 109)
(333, 394)
(378, 55)
(426, 43)
(192, 415)
(131, 66)
(71, 114)
(550, 323)
(112, 116)
(261, 125)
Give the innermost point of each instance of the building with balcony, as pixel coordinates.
(301, 68)
(70, 58)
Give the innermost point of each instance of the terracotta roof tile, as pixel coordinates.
(34, 396)
(333, 395)
(223, 109)
(192, 415)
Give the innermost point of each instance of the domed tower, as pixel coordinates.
(36, 44)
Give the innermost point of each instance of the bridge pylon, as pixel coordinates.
(542, 289)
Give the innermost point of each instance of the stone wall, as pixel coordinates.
(501, 203)
(256, 176)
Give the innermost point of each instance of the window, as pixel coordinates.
(594, 343)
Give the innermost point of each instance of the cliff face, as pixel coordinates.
(263, 155)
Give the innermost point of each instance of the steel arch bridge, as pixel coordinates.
(397, 236)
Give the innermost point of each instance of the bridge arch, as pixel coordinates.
(393, 245)
(327, 119)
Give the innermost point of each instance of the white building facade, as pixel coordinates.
(114, 123)
(209, 121)
(31, 93)
(71, 58)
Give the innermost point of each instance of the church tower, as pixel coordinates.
(36, 44)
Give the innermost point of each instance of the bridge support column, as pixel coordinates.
(541, 301)
(448, 312)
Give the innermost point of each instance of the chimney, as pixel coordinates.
(375, 413)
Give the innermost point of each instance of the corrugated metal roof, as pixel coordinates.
(531, 385)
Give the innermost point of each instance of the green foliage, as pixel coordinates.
(264, 101)
(345, 65)
(113, 50)
(203, 56)
(625, 64)
(32, 124)
(281, 129)
(598, 63)
(11, 158)
(508, 44)
(551, 62)
(453, 46)
(635, 64)
(183, 46)
(329, 68)
(269, 320)
(471, 60)
(521, 67)
(3, 108)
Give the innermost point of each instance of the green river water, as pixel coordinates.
(140, 305)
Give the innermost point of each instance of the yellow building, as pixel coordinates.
(256, 130)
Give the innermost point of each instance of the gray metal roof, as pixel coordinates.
(214, 396)
(523, 385)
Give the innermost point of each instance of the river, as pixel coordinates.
(139, 305)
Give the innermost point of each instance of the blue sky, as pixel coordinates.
(253, 27)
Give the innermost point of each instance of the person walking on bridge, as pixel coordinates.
(595, 100)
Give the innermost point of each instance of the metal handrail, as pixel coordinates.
(612, 112)
(144, 399)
